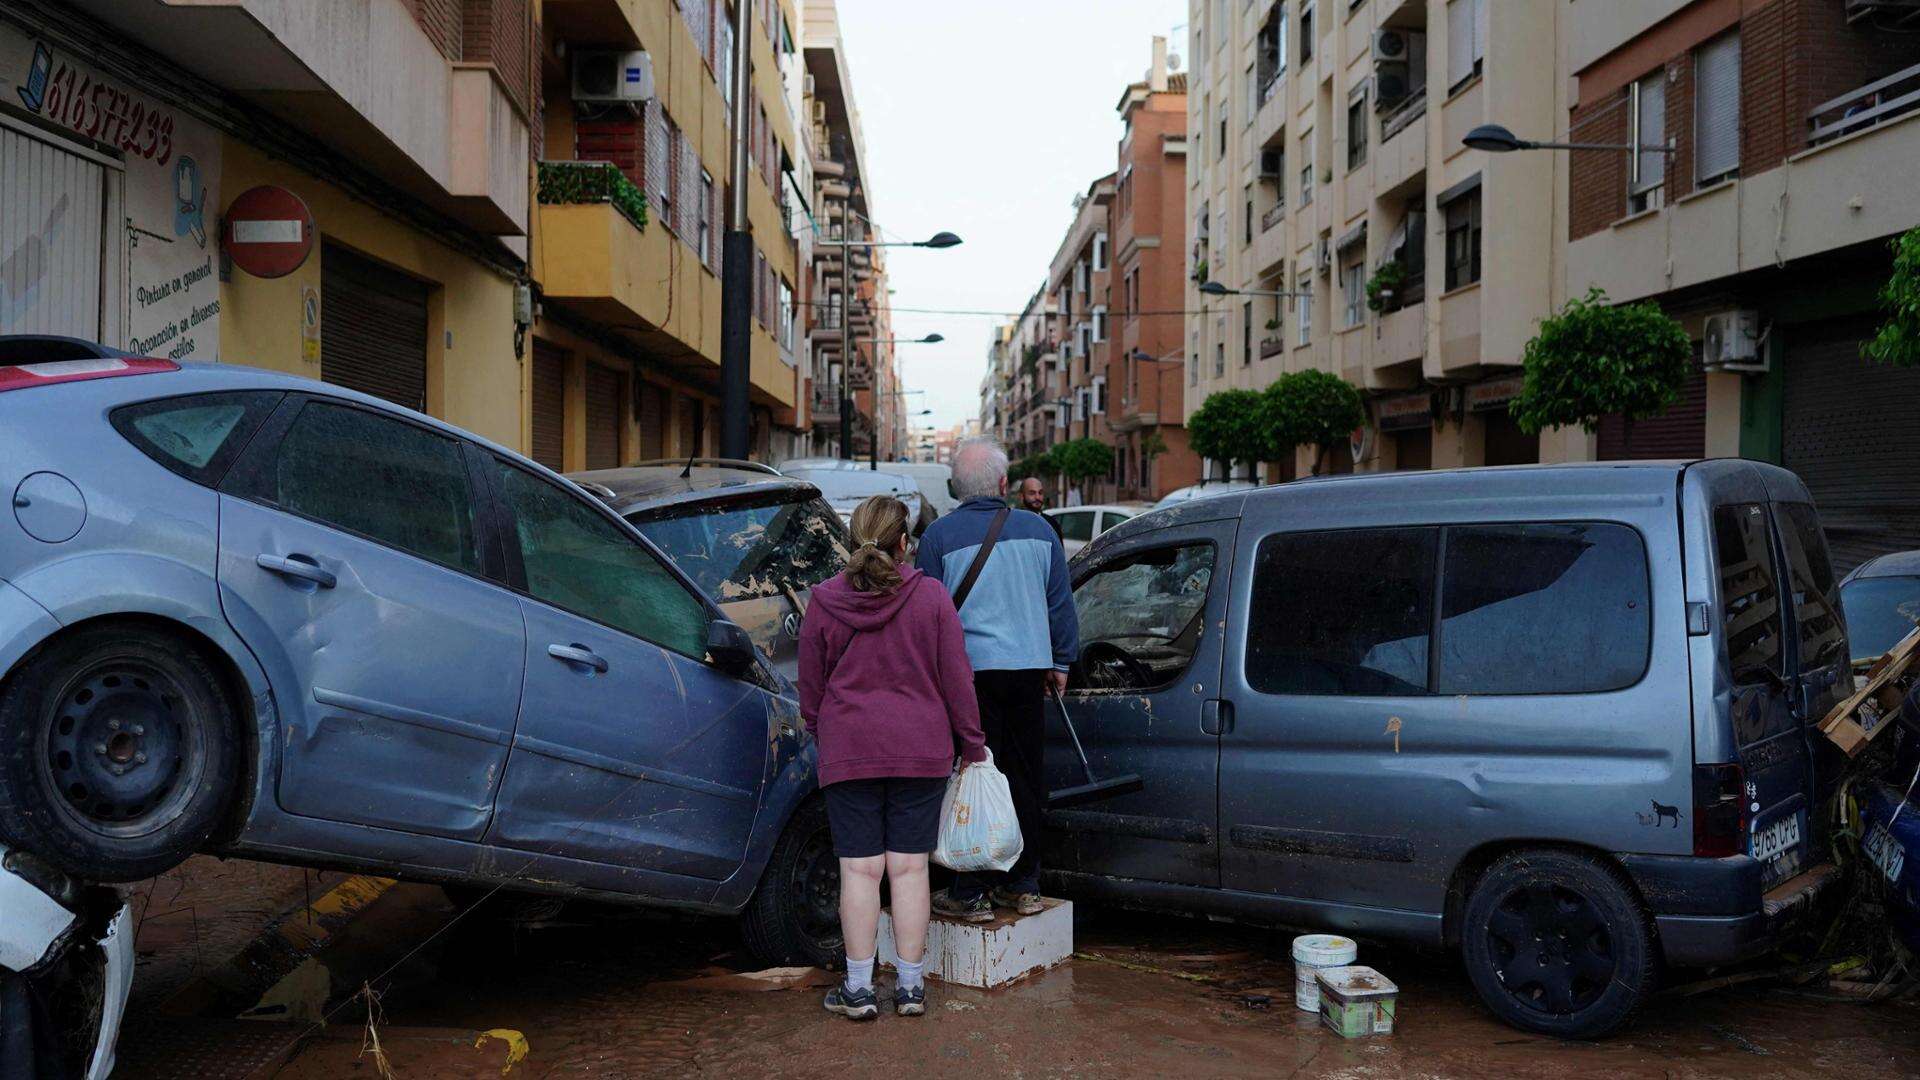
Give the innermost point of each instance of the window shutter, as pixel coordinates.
(1460, 20)
(1716, 102)
(1652, 131)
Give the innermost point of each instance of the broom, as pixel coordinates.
(1093, 790)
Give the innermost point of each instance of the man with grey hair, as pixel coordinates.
(1008, 573)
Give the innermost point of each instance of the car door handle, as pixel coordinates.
(296, 566)
(577, 653)
(1216, 717)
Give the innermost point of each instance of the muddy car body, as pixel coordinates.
(1612, 714)
(66, 966)
(252, 613)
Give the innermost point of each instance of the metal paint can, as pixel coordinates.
(1311, 953)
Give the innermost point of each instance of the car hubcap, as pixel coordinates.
(116, 748)
(1551, 948)
(816, 893)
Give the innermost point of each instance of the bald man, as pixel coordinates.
(1033, 496)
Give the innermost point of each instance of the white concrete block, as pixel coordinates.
(992, 954)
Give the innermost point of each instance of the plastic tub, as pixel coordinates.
(1311, 954)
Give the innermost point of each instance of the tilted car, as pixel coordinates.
(254, 613)
(1882, 600)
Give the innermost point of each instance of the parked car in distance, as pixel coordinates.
(1559, 718)
(1881, 598)
(267, 616)
(1202, 490)
(755, 541)
(934, 481)
(1079, 524)
(846, 489)
(67, 947)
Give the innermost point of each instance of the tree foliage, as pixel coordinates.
(1040, 465)
(1898, 340)
(1311, 408)
(1594, 359)
(1082, 459)
(1230, 426)
(591, 182)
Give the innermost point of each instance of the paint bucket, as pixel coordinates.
(1357, 1001)
(1311, 953)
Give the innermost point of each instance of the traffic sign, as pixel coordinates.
(268, 231)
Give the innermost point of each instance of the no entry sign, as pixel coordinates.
(268, 231)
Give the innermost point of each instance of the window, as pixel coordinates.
(723, 66)
(1220, 152)
(1193, 370)
(1253, 93)
(1353, 291)
(1099, 252)
(705, 209)
(1716, 109)
(1749, 595)
(1463, 240)
(377, 477)
(1141, 616)
(198, 436)
(1303, 301)
(1219, 358)
(1306, 33)
(1466, 41)
(1543, 609)
(1358, 610)
(1247, 236)
(1133, 293)
(786, 314)
(1306, 169)
(1099, 329)
(578, 560)
(1822, 634)
(1246, 334)
(1357, 129)
(1648, 121)
(1077, 525)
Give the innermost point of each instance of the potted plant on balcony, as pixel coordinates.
(1594, 359)
(567, 182)
(1273, 323)
(1229, 426)
(1383, 288)
(1898, 340)
(1311, 408)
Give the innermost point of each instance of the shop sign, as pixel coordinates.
(1405, 412)
(1490, 394)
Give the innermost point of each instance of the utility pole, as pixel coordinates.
(847, 350)
(736, 256)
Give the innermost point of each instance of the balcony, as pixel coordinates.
(1873, 104)
(1272, 346)
(1270, 119)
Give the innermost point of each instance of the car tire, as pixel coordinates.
(1557, 942)
(119, 753)
(794, 916)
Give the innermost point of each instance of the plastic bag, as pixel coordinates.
(978, 829)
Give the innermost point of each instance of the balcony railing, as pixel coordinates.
(1271, 347)
(1273, 217)
(1874, 103)
(1395, 119)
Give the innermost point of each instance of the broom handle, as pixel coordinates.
(1075, 736)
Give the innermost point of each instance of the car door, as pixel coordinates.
(630, 749)
(352, 563)
(1817, 643)
(1144, 699)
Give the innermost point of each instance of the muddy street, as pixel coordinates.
(598, 992)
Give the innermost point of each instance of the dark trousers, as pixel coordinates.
(1013, 718)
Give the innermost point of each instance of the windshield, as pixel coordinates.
(1880, 611)
(750, 550)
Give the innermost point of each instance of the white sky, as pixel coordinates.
(985, 117)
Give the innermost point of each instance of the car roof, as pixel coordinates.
(638, 487)
(1093, 506)
(1892, 564)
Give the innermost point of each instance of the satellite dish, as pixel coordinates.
(1173, 61)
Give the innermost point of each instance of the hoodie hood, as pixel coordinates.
(866, 610)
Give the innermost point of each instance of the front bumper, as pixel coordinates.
(66, 966)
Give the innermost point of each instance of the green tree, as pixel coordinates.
(1083, 459)
(1230, 426)
(1594, 359)
(1311, 408)
(1898, 341)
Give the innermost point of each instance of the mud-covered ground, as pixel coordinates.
(597, 993)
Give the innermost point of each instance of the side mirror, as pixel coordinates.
(729, 647)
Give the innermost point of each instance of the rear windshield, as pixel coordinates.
(1880, 612)
(750, 550)
(197, 436)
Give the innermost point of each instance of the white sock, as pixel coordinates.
(859, 974)
(911, 975)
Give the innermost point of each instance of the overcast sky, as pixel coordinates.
(985, 118)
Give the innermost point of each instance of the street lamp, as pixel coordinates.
(937, 241)
(1496, 139)
(1214, 288)
(873, 444)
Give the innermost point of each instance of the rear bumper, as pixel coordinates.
(1711, 912)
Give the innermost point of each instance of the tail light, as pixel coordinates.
(1719, 810)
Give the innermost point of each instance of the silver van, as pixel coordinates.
(1559, 718)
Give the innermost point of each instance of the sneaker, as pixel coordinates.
(853, 1004)
(978, 909)
(910, 1002)
(1025, 903)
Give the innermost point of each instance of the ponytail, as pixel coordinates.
(877, 526)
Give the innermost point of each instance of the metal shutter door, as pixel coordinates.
(373, 329)
(653, 421)
(1846, 428)
(51, 219)
(603, 418)
(549, 406)
(1680, 432)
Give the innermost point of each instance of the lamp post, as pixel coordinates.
(938, 241)
(1496, 139)
(873, 444)
(1214, 288)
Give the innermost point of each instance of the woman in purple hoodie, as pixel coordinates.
(887, 690)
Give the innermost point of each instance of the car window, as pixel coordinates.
(1342, 612)
(1543, 609)
(578, 560)
(1816, 613)
(1880, 612)
(197, 436)
(1075, 526)
(1111, 518)
(1749, 593)
(746, 552)
(379, 477)
(1140, 616)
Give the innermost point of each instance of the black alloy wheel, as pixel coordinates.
(794, 916)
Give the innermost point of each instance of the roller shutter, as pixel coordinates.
(603, 418)
(652, 407)
(373, 329)
(1847, 431)
(52, 229)
(549, 405)
(1680, 432)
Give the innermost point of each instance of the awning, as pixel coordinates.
(1355, 235)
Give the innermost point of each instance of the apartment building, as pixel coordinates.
(1324, 152)
(1033, 378)
(397, 135)
(1794, 126)
(1078, 280)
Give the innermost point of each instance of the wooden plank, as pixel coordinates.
(1848, 726)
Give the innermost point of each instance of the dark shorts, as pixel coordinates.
(890, 813)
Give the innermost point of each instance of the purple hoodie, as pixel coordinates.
(884, 680)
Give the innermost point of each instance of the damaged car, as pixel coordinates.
(256, 614)
(66, 966)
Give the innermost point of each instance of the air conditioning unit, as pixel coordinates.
(1323, 257)
(1391, 84)
(1390, 44)
(607, 75)
(1731, 342)
(1270, 163)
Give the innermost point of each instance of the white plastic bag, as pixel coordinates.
(978, 828)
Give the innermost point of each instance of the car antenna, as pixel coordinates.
(688, 471)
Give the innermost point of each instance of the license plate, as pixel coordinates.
(1885, 852)
(1775, 842)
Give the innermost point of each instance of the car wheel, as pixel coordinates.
(1557, 942)
(794, 916)
(118, 753)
